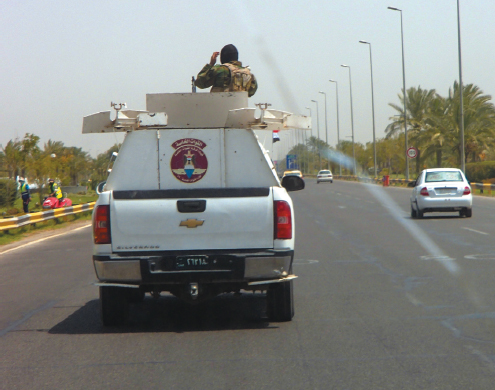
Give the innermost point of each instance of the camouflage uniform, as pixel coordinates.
(218, 77)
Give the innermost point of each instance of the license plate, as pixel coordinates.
(191, 262)
(447, 191)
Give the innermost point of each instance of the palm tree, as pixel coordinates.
(55, 150)
(28, 151)
(434, 138)
(78, 163)
(12, 157)
(479, 121)
(418, 106)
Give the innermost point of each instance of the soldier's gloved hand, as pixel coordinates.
(214, 56)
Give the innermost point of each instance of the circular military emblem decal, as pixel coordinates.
(189, 162)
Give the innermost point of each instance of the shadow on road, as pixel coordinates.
(169, 314)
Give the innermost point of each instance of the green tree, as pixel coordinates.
(28, 151)
(99, 166)
(12, 157)
(479, 122)
(77, 164)
(418, 115)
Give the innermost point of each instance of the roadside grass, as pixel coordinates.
(13, 235)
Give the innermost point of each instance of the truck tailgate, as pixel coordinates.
(236, 219)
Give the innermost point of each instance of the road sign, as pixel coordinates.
(412, 152)
(291, 161)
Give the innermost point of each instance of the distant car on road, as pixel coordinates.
(293, 173)
(324, 175)
(441, 190)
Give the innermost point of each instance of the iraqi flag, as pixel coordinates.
(275, 136)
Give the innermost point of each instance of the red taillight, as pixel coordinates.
(101, 225)
(283, 220)
(424, 191)
(467, 191)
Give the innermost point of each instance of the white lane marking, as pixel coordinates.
(305, 261)
(342, 207)
(440, 258)
(480, 257)
(43, 239)
(475, 231)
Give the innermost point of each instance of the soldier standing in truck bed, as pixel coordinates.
(230, 76)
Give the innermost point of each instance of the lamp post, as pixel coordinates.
(326, 128)
(338, 130)
(305, 136)
(372, 109)
(352, 118)
(318, 129)
(461, 102)
(404, 89)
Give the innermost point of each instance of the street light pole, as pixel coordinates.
(318, 129)
(352, 119)
(326, 128)
(338, 130)
(404, 89)
(372, 109)
(305, 136)
(461, 102)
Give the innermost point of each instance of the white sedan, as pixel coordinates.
(324, 175)
(441, 189)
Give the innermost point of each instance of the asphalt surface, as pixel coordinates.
(382, 302)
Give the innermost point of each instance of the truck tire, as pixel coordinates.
(280, 302)
(114, 305)
(136, 295)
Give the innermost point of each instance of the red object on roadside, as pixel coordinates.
(386, 180)
(53, 203)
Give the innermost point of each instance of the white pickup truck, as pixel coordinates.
(193, 205)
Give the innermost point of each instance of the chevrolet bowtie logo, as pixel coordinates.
(191, 223)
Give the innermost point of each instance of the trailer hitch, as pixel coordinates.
(194, 290)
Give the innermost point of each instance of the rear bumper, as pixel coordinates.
(222, 267)
(427, 204)
(324, 178)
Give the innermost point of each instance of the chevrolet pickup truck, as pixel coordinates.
(193, 205)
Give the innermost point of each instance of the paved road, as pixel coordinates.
(382, 302)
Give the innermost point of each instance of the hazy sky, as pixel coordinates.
(62, 60)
